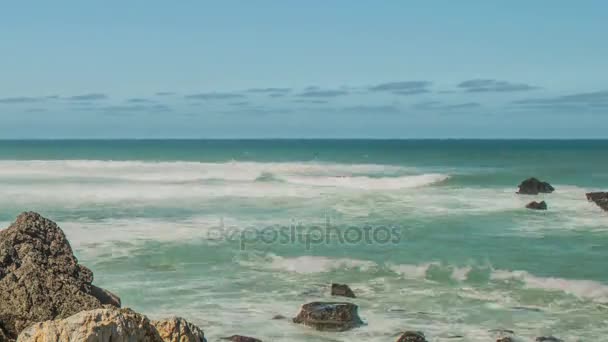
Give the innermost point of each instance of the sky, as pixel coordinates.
(303, 69)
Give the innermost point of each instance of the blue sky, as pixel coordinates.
(324, 69)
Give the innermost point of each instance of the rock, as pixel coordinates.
(537, 205)
(40, 279)
(548, 339)
(505, 339)
(105, 297)
(177, 329)
(412, 336)
(3, 336)
(239, 338)
(599, 198)
(341, 290)
(533, 186)
(278, 317)
(111, 324)
(329, 316)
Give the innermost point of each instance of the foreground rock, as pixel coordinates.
(239, 338)
(537, 205)
(342, 290)
(412, 336)
(112, 324)
(533, 186)
(40, 279)
(329, 316)
(599, 198)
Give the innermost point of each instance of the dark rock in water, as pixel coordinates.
(533, 186)
(342, 290)
(412, 336)
(537, 205)
(503, 331)
(599, 198)
(278, 317)
(329, 316)
(239, 338)
(505, 339)
(40, 279)
(548, 339)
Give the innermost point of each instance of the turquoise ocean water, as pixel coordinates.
(203, 229)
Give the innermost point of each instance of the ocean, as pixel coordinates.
(429, 234)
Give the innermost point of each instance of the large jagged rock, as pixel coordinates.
(599, 198)
(177, 329)
(341, 290)
(40, 279)
(111, 324)
(329, 316)
(412, 336)
(542, 205)
(533, 186)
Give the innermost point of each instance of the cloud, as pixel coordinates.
(138, 100)
(135, 108)
(311, 101)
(164, 93)
(404, 87)
(371, 109)
(214, 96)
(22, 99)
(310, 92)
(88, 97)
(437, 106)
(489, 85)
(591, 98)
(270, 90)
(240, 103)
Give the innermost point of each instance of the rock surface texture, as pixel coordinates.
(329, 316)
(537, 205)
(40, 279)
(533, 186)
(111, 324)
(412, 336)
(599, 198)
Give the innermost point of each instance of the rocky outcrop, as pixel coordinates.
(537, 205)
(239, 338)
(329, 316)
(40, 279)
(599, 198)
(111, 324)
(177, 329)
(533, 186)
(342, 290)
(412, 336)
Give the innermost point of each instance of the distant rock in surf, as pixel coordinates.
(112, 324)
(239, 338)
(40, 279)
(537, 205)
(548, 339)
(412, 336)
(506, 339)
(533, 186)
(278, 317)
(342, 290)
(599, 198)
(329, 316)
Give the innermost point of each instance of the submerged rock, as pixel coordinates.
(412, 336)
(239, 338)
(341, 290)
(112, 324)
(40, 279)
(548, 339)
(329, 316)
(537, 205)
(599, 198)
(533, 186)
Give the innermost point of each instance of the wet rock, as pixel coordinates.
(105, 297)
(177, 329)
(533, 186)
(40, 279)
(412, 336)
(548, 339)
(599, 198)
(537, 205)
(342, 290)
(278, 317)
(506, 339)
(239, 338)
(112, 324)
(329, 316)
